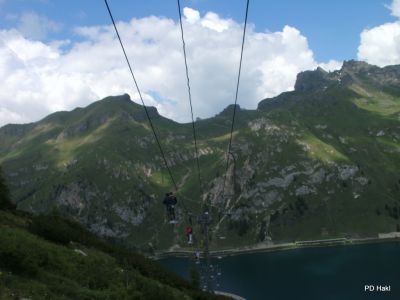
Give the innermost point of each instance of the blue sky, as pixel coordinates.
(332, 27)
(57, 55)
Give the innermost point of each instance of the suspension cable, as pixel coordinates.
(236, 97)
(190, 97)
(141, 98)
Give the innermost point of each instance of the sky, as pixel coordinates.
(58, 55)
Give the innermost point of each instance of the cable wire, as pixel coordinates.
(190, 97)
(236, 97)
(141, 98)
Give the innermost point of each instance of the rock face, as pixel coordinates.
(320, 161)
(358, 67)
(310, 80)
(348, 74)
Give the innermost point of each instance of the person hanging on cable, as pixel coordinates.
(174, 201)
(170, 202)
(189, 234)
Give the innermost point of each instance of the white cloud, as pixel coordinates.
(380, 45)
(35, 26)
(395, 8)
(213, 21)
(10, 117)
(41, 78)
(191, 15)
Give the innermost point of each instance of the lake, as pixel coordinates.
(339, 272)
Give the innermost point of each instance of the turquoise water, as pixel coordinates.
(316, 273)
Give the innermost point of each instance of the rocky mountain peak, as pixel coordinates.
(309, 80)
(228, 111)
(123, 104)
(124, 97)
(349, 73)
(356, 66)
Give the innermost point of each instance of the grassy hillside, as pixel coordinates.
(318, 162)
(48, 257)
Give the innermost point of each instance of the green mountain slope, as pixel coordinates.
(321, 161)
(52, 258)
(48, 257)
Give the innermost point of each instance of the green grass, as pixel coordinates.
(321, 150)
(39, 259)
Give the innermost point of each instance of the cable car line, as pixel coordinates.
(190, 97)
(201, 220)
(205, 217)
(144, 106)
(141, 98)
(236, 97)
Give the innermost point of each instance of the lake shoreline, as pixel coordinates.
(337, 271)
(268, 247)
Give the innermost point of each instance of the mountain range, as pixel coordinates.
(321, 161)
